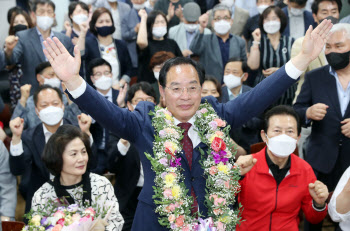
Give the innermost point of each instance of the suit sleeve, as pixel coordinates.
(125, 124)
(2, 60)
(254, 102)
(304, 100)
(243, 49)
(311, 214)
(18, 164)
(17, 52)
(197, 44)
(113, 152)
(128, 33)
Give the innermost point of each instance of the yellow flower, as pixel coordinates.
(176, 191)
(36, 219)
(213, 137)
(68, 220)
(223, 168)
(169, 180)
(36, 223)
(169, 117)
(225, 219)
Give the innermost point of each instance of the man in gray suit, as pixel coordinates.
(214, 50)
(27, 46)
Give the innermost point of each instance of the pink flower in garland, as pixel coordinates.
(218, 144)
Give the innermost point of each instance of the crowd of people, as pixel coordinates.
(81, 99)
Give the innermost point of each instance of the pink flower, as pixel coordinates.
(220, 226)
(171, 218)
(172, 207)
(227, 184)
(219, 133)
(217, 211)
(220, 122)
(219, 201)
(59, 214)
(164, 162)
(186, 228)
(213, 196)
(213, 125)
(204, 110)
(76, 217)
(57, 228)
(85, 219)
(168, 194)
(90, 211)
(180, 221)
(213, 170)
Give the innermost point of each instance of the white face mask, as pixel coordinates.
(138, 6)
(159, 32)
(112, 0)
(156, 75)
(228, 3)
(191, 27)
(53, 82)
(44, 22)
(51, 115)
(296, 11)
(272, 27)
(232, 81)
(222, 27)
(80, 18)
(88, 2)
(103, 83)
(282, 145)
(261, 8)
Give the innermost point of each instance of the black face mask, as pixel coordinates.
(338, 60)
(105, 30)
(333, 20)
(19, 27)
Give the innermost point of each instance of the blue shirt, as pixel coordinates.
(231, 96)
(343, 95)
(225, 49)
(42, 39)
(189, 37)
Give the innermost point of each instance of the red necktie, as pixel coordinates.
(188, 148)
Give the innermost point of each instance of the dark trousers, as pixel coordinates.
(129, 212)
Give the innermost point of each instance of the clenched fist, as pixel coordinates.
(25, 93)
(317, 111)
(16, 126)
(319, 193)
(84, 122)
(246, 163)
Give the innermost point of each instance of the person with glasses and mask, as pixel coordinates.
(124, 159)
(323, 104)
(298, 19)
(26, 47)
(277, 184)
(215, 49)
(180, 84)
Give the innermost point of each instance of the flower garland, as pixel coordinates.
(173, 203)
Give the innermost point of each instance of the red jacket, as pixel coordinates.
(266, 207)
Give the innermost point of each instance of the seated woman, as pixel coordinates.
(66, 155)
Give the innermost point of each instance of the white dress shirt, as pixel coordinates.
(344, 219)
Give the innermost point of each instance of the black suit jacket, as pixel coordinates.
(326, 142)
(126, 168)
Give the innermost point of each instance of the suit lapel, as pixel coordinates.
(39, 143)
(36, 43)
(196, 152)
(216, 50)
(331, 90)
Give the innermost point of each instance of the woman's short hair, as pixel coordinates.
(214, 80)
(160, 57)
(13, 17)
(73, 5)
(143, 86)
(97, 13)
(151, 18)
(280, 14)
(53, 151)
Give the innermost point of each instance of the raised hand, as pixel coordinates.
(84, 122)
(10, 43)
(122, 95)
(16, 126)
(142, 13)
(65, 66)
(318, 192)
(246, 163)
(203, 22)
(25, 93)
(171, 12)
(256, 35)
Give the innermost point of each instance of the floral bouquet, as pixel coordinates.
(222, 175)
(63, 218)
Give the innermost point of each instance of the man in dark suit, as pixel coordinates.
(180, 82)
(298, 19)
(124, 159)
(27, 146)
(236, 72)
(26, 47)
(323, 101)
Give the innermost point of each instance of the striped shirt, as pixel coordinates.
(269, 57)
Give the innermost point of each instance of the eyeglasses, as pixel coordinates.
(191, 90)
(224, 18)
(136, 101)
(106, 73)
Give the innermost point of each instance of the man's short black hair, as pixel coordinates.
(72, 7)
(43, 2)
(280, 14)
(96, 63)
(281, 110)
(245, 67)
(180, 61)
(299, 2)
(53, 151)
(41, 67)
(143, 86)
(316, 3)
(44, 87)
